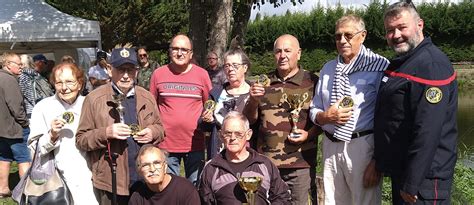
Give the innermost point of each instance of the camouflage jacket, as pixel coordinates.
(144, 74)
(275, 126)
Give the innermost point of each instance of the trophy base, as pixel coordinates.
(294, 135)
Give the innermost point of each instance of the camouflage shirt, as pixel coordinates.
(144, 74)
(275, 126)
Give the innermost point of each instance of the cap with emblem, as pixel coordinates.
(122, 56)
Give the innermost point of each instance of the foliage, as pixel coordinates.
(139, 22)
(449, 25)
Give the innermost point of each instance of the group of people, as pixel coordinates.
(378, 117)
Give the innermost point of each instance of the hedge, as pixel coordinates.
(451, 27)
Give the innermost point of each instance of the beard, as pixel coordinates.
(409, 45)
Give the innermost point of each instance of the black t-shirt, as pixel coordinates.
(240, 167)
(178, 192)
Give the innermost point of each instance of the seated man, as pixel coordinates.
(160, 188)
(219, 180)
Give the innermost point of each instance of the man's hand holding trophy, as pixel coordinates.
(295, 103)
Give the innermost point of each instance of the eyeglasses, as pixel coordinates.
(347, 36)
(142, 55)
(155, 164)
(18, 64)
(235, 66)
(68, 83)
(176, 50)
(238, 135)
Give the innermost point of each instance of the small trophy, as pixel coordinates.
(118, 99)
(260, 79)
(250, 185)
(346, 102)
(295, 102)
(68, 117)
(209, 105)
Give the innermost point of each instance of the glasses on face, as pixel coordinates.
(18, 64)
(176, 50)
(143, 55)
(155, 164)
(347, 36)
(228, 135)
(235, 66)
(68, 83)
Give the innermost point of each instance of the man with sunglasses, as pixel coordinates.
(343, 105)
(180, 90)
(146, 67)
(415, 116)
(160, 187)
(220, 177)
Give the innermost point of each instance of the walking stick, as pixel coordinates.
(113, 169)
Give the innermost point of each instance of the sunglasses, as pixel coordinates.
(347, 36)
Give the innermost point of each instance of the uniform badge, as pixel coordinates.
(68, 117)
(124, 53)
(434, 95)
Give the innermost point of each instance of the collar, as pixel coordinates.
(297, 79)
(130, 93)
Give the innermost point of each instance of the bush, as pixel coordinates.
(450, 26)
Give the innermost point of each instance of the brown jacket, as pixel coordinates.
(98, 112)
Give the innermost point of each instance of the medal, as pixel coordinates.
(346, 102)
(68, 117)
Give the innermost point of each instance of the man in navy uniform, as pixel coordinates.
(415, 117)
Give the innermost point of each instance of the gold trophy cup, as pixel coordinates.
(250, 185)
(296, 103)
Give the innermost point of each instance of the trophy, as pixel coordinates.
(118, 99)
(295, 102)
(210, 105)
(68, 117)
(346, 102)
(260, 79)
(250, 185)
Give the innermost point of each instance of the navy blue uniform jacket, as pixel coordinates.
(415, 121)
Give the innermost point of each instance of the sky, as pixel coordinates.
(268, 10)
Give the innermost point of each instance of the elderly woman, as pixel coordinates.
(57, 118)
(231, 96)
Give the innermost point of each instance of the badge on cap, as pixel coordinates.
(434, 95)
(124, 53)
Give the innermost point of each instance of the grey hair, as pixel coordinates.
(27, 61)
(239, 116)
(359, 22)
(148, 148)
(241, 53)
(397, 8)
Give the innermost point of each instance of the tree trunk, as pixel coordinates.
(198, 31)
(219, 20)
(241, 19)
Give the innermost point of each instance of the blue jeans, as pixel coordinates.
(193, 164)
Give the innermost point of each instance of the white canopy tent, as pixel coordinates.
(33, 26)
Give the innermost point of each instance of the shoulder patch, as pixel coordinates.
(434, 95)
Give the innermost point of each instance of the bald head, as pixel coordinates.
(183, 38)
(287, 54)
